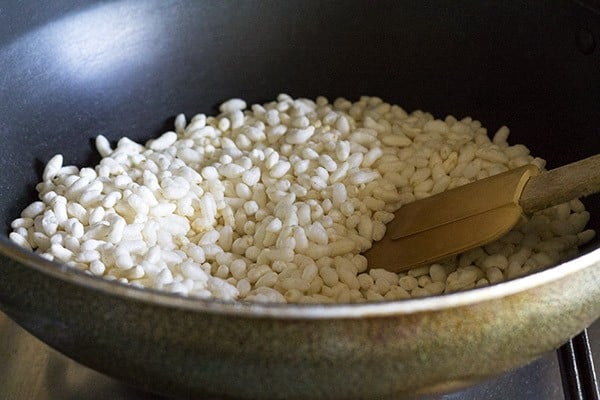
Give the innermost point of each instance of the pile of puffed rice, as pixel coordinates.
(277, 202)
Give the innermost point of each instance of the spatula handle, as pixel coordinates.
(562, 184)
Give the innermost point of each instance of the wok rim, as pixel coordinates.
(299, 311)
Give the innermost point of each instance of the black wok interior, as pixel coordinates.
(70, 70)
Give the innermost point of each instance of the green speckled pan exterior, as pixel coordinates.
(179, 346)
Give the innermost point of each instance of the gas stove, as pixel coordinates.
(29, 369)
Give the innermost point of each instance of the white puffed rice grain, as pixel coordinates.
(275, 202)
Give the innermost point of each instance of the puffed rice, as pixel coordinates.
(274, 203)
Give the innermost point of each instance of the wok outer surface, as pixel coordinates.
(194, 352)
(72, 70)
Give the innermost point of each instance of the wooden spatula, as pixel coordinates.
(472, 215)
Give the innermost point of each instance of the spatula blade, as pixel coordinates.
(443, 241)
(461, 202)
(451, 222)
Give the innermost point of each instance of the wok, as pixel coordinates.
(71, 70)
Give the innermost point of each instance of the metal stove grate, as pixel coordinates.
(579, 379)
